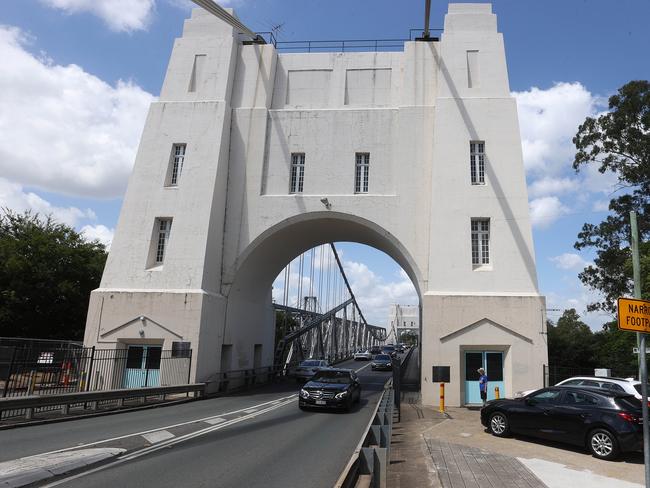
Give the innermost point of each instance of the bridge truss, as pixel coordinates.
(319, 316)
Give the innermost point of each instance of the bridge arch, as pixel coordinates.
(249, 314)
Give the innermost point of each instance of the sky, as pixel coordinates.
(92, 67)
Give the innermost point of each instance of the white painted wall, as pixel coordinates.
(243, 109)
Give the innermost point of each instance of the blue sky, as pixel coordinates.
(93, 67)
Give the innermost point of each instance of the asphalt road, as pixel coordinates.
(283, 447)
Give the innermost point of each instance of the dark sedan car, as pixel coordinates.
(382, 362)
(605, 422)
(331, 388)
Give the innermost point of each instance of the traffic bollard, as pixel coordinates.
(442, 398)
(496, 392)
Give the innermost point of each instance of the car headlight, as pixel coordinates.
(343, 394)
(304, 394)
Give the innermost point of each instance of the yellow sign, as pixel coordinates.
(634, 315)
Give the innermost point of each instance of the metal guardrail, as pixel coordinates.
(28, 404)
(369, 463)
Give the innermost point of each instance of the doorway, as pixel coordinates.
(492, 362)
(142, 366)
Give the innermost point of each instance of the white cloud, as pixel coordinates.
(600, 206)
(552, 186)
(119, 15)
(375, 295)
(99, 233)
(62, 129)
(546, 210)
(14, 197)
(569, 261)
(548, 121)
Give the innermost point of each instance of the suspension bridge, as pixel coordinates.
(319, 315)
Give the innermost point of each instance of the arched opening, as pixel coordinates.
(250, 315)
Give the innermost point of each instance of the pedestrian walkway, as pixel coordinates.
(469, 467)
(453, 450)
(418, 459)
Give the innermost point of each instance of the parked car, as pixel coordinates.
(331, 388)
(306, 369)
(374, 350)
(604, 421)
(382, 362)
(362, 355)
(621, 385)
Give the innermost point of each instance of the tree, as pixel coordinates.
(614, 350)
(618, 141)
(571, 342)
(47, 271)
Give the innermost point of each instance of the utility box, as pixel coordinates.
(440, 374)
(602, 372)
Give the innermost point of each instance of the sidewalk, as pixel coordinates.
(419, 459)
(452, 450)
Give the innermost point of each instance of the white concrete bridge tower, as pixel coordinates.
(418, 154)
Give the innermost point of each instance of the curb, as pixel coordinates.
(28, 470)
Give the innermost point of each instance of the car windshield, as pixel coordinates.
(310, 363)
(638, 388)
(385, 357)
(336, 377)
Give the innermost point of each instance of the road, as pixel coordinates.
(275, 444)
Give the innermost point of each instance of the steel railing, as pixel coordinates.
(79, 403)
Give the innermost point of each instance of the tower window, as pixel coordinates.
(176, 164)
(477, 162)
(297, 172)
(162, 230)
(480, 242)
(362, 170)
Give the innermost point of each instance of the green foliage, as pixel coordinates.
(614, 350)
(47, 271)
(571, 342)
(408, 337)
(618, 141)
(284, 323)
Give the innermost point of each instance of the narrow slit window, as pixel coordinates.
(297, 177)
(362, 172)
(163, 229)
(477, 162)
(480, 242)
(176, 164)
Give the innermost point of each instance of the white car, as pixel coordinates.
(307, 369)
(362, 355)
(622, 385)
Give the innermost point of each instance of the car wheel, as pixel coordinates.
(499, 424)
(358, 400)
(602, 444)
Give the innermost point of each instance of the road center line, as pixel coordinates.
(171, 442)
(204, 419)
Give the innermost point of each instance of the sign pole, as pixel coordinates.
(636, 271)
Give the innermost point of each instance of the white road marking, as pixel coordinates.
(171, 442)
(158, 436)
(250, 410)
(204, 419)
(363, 367)
(216, 420)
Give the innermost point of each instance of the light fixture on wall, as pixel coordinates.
(141, 333)
(326, 202)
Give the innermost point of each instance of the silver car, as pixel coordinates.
(362, 355)
(306, 369)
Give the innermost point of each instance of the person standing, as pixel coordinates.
(483, 384)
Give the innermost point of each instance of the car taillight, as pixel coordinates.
(628, 417)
